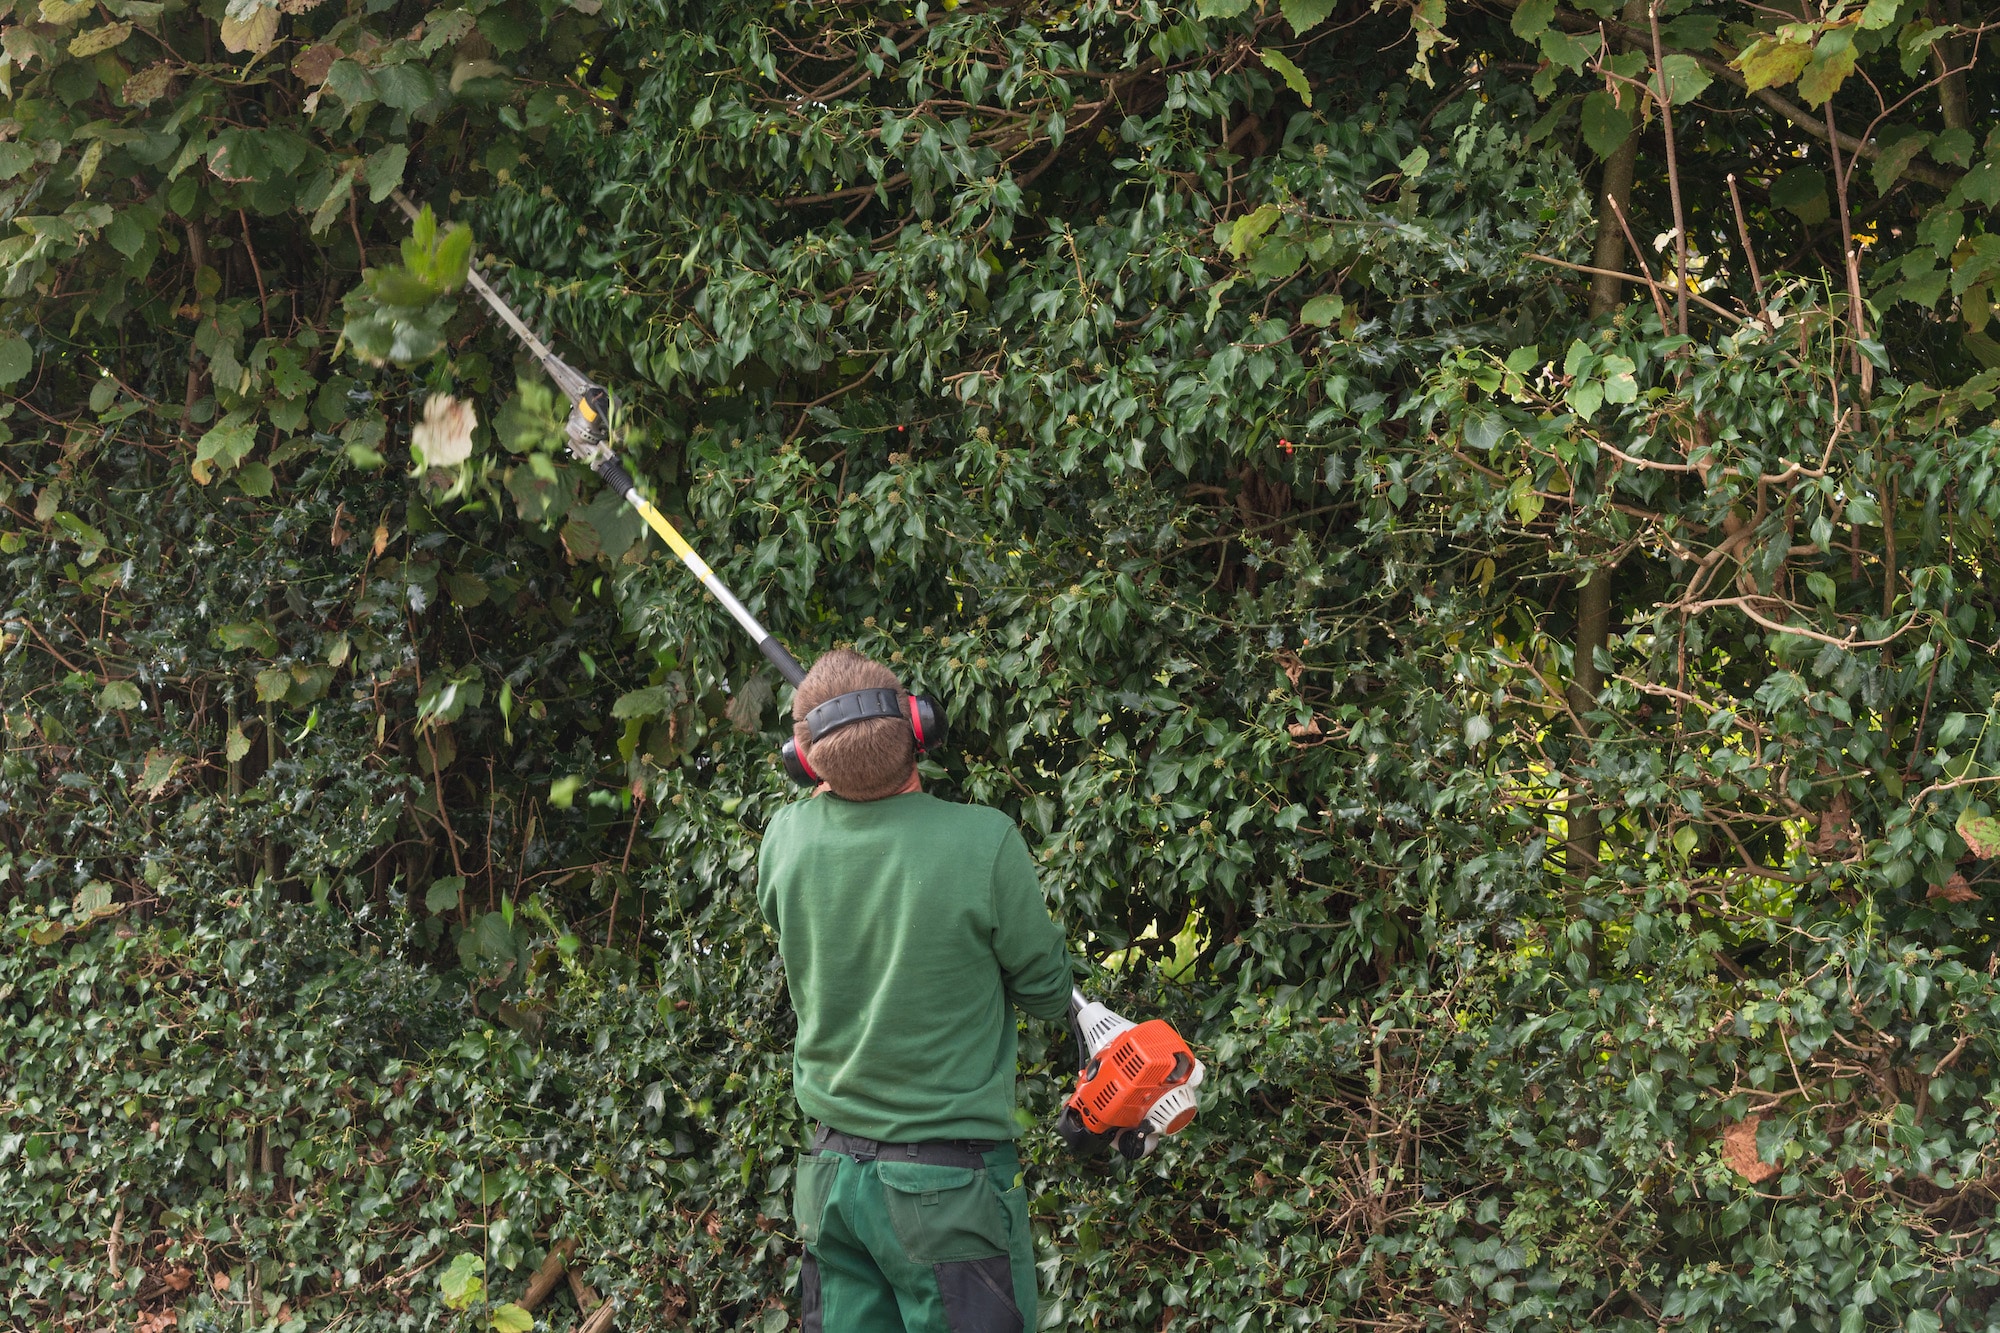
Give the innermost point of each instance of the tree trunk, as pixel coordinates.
(1593, 599)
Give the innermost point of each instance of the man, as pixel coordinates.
(910, 929)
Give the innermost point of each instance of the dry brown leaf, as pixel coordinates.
(1301, 730)
(255, 32)
(1739, 1150)
(181, 1278)
(381, 538)
(314, 62)
(1954, 890)
(219, 1280)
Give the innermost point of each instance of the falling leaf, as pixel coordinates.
(1954, 890)
(1981, 833)
(444, 437)
(1739, 1150)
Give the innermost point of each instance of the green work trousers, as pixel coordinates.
(913, 1238)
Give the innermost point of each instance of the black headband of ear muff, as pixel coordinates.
(921, 712)
(844, 710)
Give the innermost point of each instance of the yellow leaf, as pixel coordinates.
(256, 33)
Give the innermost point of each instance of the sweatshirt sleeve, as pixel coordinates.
(1034, 959)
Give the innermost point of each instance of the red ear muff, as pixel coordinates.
(796, 766)
(917, 723)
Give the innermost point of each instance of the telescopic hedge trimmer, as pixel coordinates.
(1137, 1082)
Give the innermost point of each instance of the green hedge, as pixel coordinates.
(1188, 397)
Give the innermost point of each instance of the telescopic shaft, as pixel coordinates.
(588, 436)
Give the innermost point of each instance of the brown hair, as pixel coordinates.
(863, 761)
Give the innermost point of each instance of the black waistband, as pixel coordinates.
(936, 1152)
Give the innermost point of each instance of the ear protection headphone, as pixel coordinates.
(924, 714)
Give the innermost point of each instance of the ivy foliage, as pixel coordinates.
(1224, 409)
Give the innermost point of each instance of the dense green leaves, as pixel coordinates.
(1199, 402)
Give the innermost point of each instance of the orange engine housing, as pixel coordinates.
(1120, 1085)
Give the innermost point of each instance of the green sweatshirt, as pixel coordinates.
(908, 926)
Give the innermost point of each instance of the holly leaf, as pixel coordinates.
(1981, 833)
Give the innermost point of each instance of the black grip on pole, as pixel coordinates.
(614, 474)
(788, 666)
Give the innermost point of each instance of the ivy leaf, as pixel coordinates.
(1294, 77)
(1606, 126)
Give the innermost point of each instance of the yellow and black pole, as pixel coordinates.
(588, 433)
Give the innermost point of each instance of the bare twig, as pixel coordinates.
(1666, 100)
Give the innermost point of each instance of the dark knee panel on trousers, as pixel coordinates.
(979, 1295)
(809, 1308)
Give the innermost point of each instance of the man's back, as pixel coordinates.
(908, 925)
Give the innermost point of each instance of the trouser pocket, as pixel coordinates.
(812, 1185)
(942, 1214)
(978, 1295)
